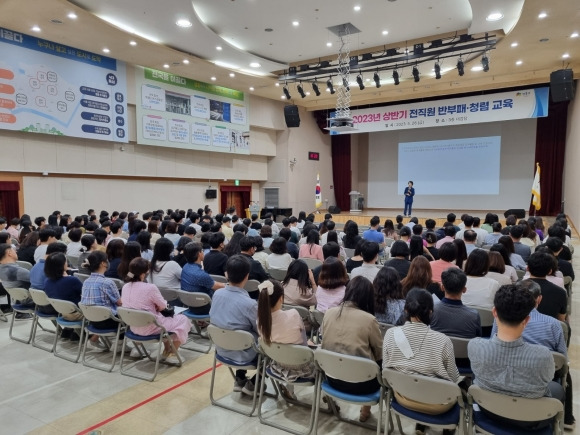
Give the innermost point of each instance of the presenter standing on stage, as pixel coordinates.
(409, 194)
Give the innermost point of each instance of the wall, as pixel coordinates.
(572, 163)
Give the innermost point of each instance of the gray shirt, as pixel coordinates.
(451, 317)
(14, 276)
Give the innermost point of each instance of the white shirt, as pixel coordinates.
(480, 291)
(168, 277)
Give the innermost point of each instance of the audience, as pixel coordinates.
(299, 285)
(399, 258)
(480, 288)
(214, 263)
(447, 256)
(554, 301)
(331, 284)
(370, 255)
(193, 277)
(356, 260)
(311, 249)
(389, 297)
(164, 272)
(279, 257)
(420, 276)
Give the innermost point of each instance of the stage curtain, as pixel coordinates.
(245, 190)
(10, 204)
(550, 148)
(341, 175)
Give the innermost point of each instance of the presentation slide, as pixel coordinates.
(436, 166)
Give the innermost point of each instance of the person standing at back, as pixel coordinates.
(409, 194)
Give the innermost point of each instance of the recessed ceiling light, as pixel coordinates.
(72, 16)
(106, 50)
(283, 97)
(519, 62)
(277, 84)
(251, 88)
(565, 56)
(574, 35)
(477, 68)
(165, 65)
(133, 43)
(213, 79)
(329, 44)
(35, 29)
(542, 15)
(295, 23)
(183, 22)
(232, 75)
(219, 48)
(357, 8)
(307, 92)
(514, 44)
(385, 32)
(186, 61)
(494, 16)
(255, 65)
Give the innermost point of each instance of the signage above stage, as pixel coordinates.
(503, 106)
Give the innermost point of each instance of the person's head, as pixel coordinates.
(332, 236)
(430, 224)
(55, 247)
(540, 264)
(313, 237)
(361, 293)
(512, 305)
(161, 252)
(138, 268)
(419, 274)
(431, 238)
(55, 265)
(332, 274)
(130, 250)
(271, 298)
(476, 221)
(510, 220)
(557, 231)
(97, 261)
(238, 270)
(116, 228)
(419, 306)
(389, 225)
(370, 252)
(470, 236)
(416, 246)
(31, 239)
(387, 285)
(47, 235)
(410, 184)
(468, 221)
(375, 220)
(7, 253)
(183, 241)
(414, 220)
(144, 239)
(516, 232)
(533, 287)
(554, 244)
(399, 219)
(477, 263)
(496, 227)
(75, 235)
(115, 249)
(450, 231)
(351, 231)
(400, 249)
(461, 252)
(4, 237)
(448, 252)
(286, 233)
(508, 243)
(501, 249)
(496, 263)
(193, 252)
(298, 270)
(451, 217)
(40, 221)
(266, 231)
(405, 232)
(89, 242)
(453, 281)
(279, 246)
(189, 232)
(331, 249)
(417, 228)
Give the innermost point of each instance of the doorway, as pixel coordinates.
(235, 196)
(9, 201)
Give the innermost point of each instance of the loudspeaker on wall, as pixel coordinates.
(291, 116)
(562, 85)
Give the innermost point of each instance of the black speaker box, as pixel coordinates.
(292, 116)
(333, 209)
(562, 85)
(211, 194)
(519, 213)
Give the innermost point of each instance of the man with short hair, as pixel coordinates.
(556, 246)
(493, 237)
(215, 261)
(257, 272)
(294, 227)
(295, 236)
(554, 301)
(116, 232)
(370, 255)
(374, 235)
(505, 363)
(449, 232)
(227, 227)
(470, 239)
(12, 275)
(468, 222)
(193, 277)
(451, 317)
(330, 225)
(40, 222)
(516, 233)
(481, 233)
(45, 238)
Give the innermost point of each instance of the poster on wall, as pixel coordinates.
(51, 88)
(179, 112)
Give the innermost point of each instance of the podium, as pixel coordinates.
(356, 201)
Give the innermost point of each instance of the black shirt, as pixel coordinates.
(214, 263)
(554, 298)
(292, 249)
(402, 266)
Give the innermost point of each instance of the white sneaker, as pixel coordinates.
(172, 359)
(135, 353)
(96, 346)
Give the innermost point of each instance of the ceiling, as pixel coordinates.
(238, 28)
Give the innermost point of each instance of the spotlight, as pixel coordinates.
(416, 74)
(359, 81)
(377, 79)
(396, 77)
(329, 86)
(437, 71)
(345, 84)
(315, 88)
(485, 63)
(460, 67)
(285, 90)
(301, 90)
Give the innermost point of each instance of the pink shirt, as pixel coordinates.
(287, 327)
(326, 299)
(438, 267)
(311, 251)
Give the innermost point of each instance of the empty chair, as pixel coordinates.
(252, 285)
(67, 308)
(304, 312)
(24, 264)
(312, 263)
(460, 352)
(219, 278)
(40, 299)
(73, 260)
(486, 319)
(19, 302)
(349, 252)
(384, 327)
(196, 300)
(82, 276)
(278, 274)
(169, 294)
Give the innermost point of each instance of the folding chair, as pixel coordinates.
(460, 352)
(63, 308)
(40, 299)
(384, 327)
(428, 390)
(566, 331)
(568, 287)
(196, 300)
(169, 294)
(24, 264)
(118, 283)
(97, 313)
(561, 367)
(316, 319)
(486, 319)
(278, 274)
(350, 369)
(219, 278)
(514, 408)
(138, 318)
(234, 340)
(73, 260)
(288, 355)
(312, 263)
(389, 241)
(83, 277)
(304, 312)
(349, 252)
(17, 296)
(520, 274)
(252, 285)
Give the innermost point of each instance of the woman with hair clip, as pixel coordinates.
(415, 349)
(285, 327)
(352, 329)
(299, 285)
(140, 295)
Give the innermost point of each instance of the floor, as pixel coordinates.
(42, 394)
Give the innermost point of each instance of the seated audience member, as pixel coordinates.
(233, 309)
(373, 234)
(470, 239)
(12, 229)
(506, 364)
(399, 220)
(480, 288)
(261, 256)
(556, 246)
(331, 284)
(311, 249)
(140, 295)
(555, 277)
(554, 299)
(291, 247)
(194, 278)
(233, 246)
(332, 237)
(389, 230)
(279, 258)
(266, 234)
(114, 254)
(399, 258)
(90, 245)
(559, 232)
(351, 236)
(227, 227)
(516, 233)
(405, 234)
(510, 271)
(389, 298)
(497, 269)
(27, 247)
(100, 290)
(153, 228)
(420, 276)
(447, 256)
(299, 285)
(487, 224)
(529, 237)
(516, 260)
(73, 249)
(416, 349)
(25, 229)
(171, 233)
(431, 239)
(416, 248)
(370, 254)
(449, 232)
(493, 237)
(131, 250)
(330, 226)
(117, 232)
(179, 257)
(331, 249)
(46, 236)
(352, 329)
(14, 276)
(37, 274)
(356, 260)
(257, 272)
(461, 253)
(215, 261)
(451, 317)
(144, 240)
(138, 226)
(164, 272)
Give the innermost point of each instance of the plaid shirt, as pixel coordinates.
(98, 290)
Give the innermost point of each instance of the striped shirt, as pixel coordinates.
(98, 290)
(543, 330)
(433, 352)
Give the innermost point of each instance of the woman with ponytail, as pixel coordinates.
(284, 327)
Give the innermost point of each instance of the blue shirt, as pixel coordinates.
(195, 279)
(372, 235)
(98, 290)
(67, 288)
(233, 309)
(37, 276)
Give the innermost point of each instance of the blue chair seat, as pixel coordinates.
(231, 362)
(449, 417)
(193, 316)
(23, 307)
(464, 371)
(132, 336)
(46, 316)
(500, 428)
(69, 323)
(356, 398)
(297, 381)
(94, 330)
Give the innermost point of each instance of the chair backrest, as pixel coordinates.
(169, 294)
(73, 260)
(230, 339)
(516, 408)
(422, 389)
(193, 299)
(389, 241)
(486, 247)
(18, 294)
(96, 313)
(568, 284)
(63, 307)
(252, 285)
(39, 297)
(565, 330)
(520, 273)
(346, 367)
(349, 252)
(219, 278)
(560, 360)
(312, 263)
(304, 312)
(384, 327)
(267, 251)
(82, 276)
(118, 283)
(288, 354)
(459, 346)
(317, 317)
(485, 316)
(278, 274)
(136, 318)
(24, 264)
